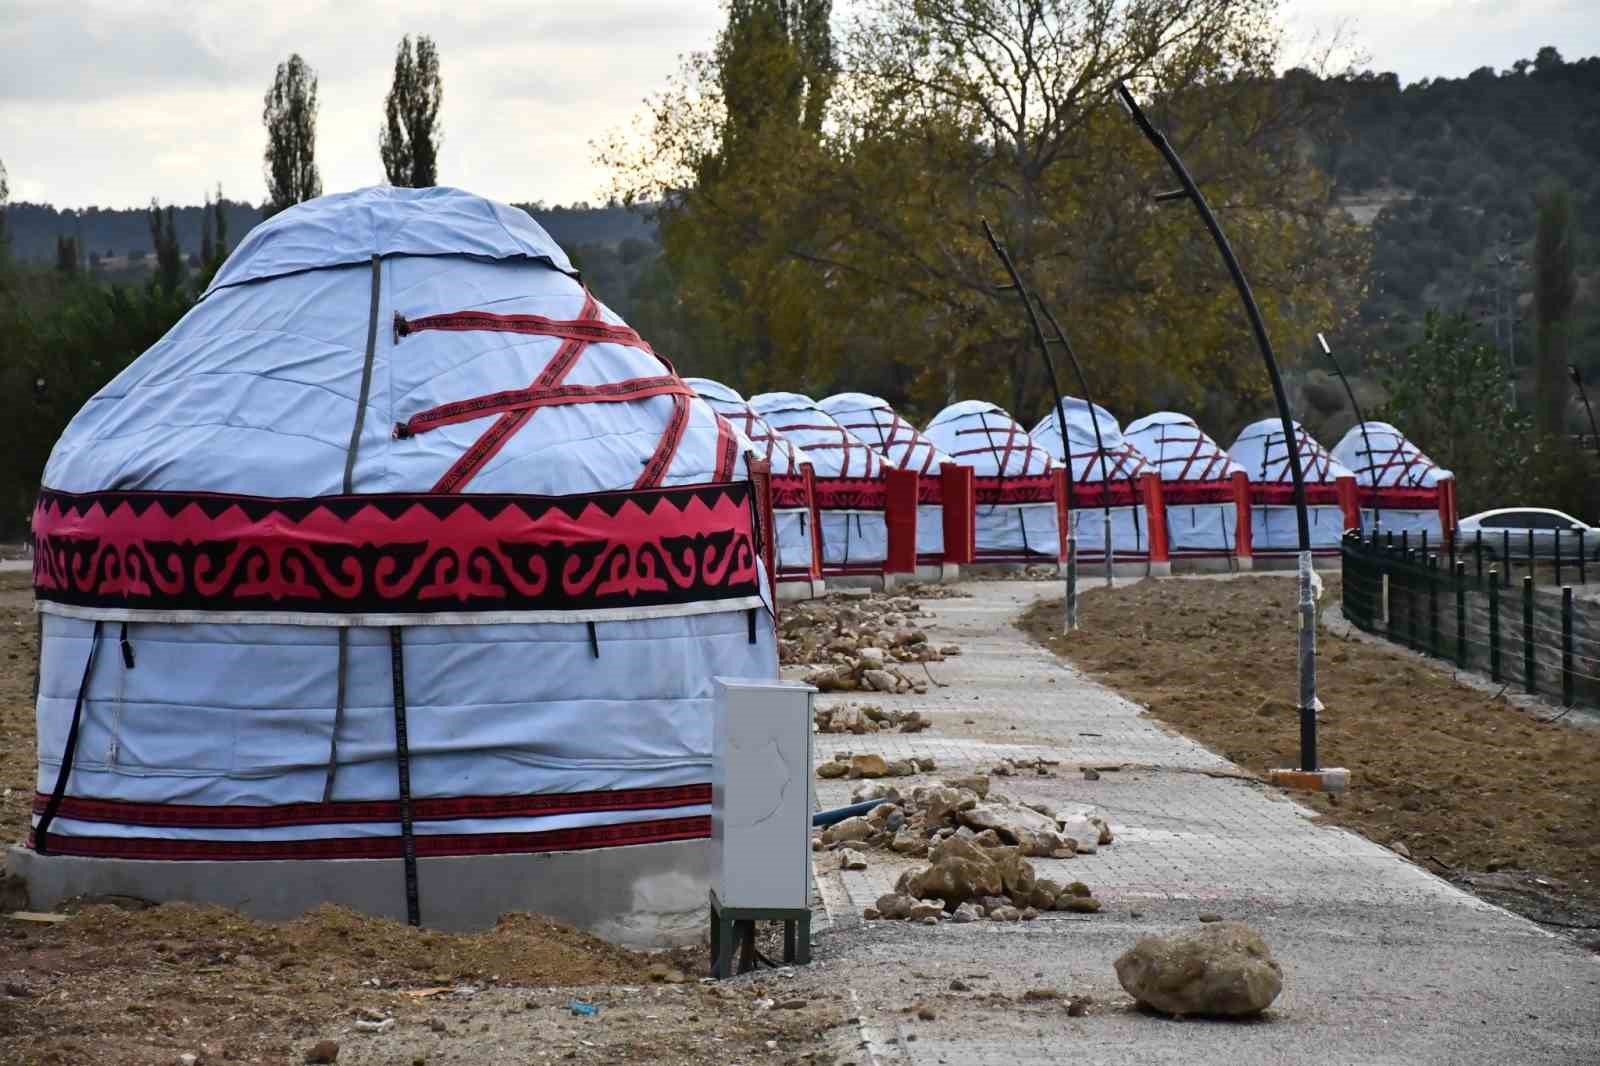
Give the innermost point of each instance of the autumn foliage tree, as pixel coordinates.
(844, 248)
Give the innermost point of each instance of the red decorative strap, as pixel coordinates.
(655, 468)
(535, 396)
(726, 453)
(590, 330)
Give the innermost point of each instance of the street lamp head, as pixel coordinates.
(1572, 372)
(1324, 342)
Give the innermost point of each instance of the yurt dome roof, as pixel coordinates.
(1261, 451)
(1178, 448)
(833, 450)
(982, 435)
(1122, 459)
(873, 420)
(1395, 462)
(769, 444)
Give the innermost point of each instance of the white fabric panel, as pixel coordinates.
(1400, 521)
(1203, 527)
(782, 453)
(930, 529)
(1395, 460)
(1121, 460)
(854, 538)
(816, 433)
(1130, 530)
(1015, 528)
(1262, 451)
(493, 710)
(872, 420)
(981, 429)
(794, 539)
(1274, 528)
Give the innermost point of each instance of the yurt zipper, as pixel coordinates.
(114, 742)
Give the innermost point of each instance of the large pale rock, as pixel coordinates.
(849, 831)
(955, 847)
(975, 783)
(955, 881)
(941, 802)
(1011, 823)
(833, 769)
(871, 658)
(1016, 874)
(881, 680)
(895, 905)
(874, 790)
(1223, 969)
(868, 765)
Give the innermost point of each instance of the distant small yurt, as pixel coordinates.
(1110, 479)
(1014, 481)
(1400, 489)
(794, 507)
(395, 575)
(1330, 490)
(851, 495)
(872, 421)
(1199, 491)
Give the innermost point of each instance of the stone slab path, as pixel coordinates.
(1383, 962)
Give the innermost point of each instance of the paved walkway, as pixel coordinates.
(1384, 963)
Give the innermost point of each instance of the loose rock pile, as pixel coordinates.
(847, 764)
(976, 843)
(857, 643)
(866, 718)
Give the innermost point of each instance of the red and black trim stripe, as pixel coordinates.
(586, 327)
(428, 845)
(438, 809)
(536, 396)
(655, 468)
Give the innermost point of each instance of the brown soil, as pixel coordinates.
(141, 987)
(1476, 789)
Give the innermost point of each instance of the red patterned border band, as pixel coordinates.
(851, 494)
(1024, 488)
(428, 845)
(406, 555)
(1184, 493)
(424, 809)
(1094, 494)
(1318, 493)
(789, 492)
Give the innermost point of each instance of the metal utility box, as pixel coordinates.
(761, 794)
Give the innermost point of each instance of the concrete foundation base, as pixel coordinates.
(942, 573)
(1212, 564)
(1288, 562)
(643, 896)
(795, 591)
(871, 582)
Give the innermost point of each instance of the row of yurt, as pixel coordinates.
(798, 546)
(396, 575)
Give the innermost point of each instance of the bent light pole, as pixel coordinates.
(1577, 379)
(1307, 601)
(1361, 420)
(1066, 445)
(1061, 419)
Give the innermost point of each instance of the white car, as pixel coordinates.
(1546, 525)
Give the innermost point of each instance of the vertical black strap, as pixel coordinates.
(750, 615)
(594, 641)
(348, 487)
(127, 648)
(1022, 520)
(402, 762)
(41, 835)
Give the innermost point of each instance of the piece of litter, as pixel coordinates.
(375, 1027)
(424, 993)
(37, 916)
(583, 1009)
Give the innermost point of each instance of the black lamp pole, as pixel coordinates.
(1577, 379)
(1361, 420)
(1307, 604)
(1061, 420)
(1066, 445)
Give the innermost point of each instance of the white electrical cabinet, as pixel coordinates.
(761, 794)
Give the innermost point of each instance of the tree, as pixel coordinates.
(849, 247)
(409, 139)
(5, 198)
(290, 116)
(169, 257)
(67, 256)
(1554, 291)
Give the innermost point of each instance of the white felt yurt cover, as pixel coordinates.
(1383, 458)
(1190, 465)
(1013, 482)
(850, 487)
(1263, 453)
(871, 420)
(396, 443)
(1108, 460)
(791, 512)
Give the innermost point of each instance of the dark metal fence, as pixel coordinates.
(1459, 602)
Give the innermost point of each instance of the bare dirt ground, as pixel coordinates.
(1477, 790)
(143, 987)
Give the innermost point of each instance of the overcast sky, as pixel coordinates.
(111, 102)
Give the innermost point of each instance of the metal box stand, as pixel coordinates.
(737, 925)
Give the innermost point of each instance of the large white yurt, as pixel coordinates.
(1263, 452)
(1197, 486)
(1400, 489)
(1013, 481)
(792, 504)
(396, 575)
(849, 479)
(871, 420)
(1106, 473)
